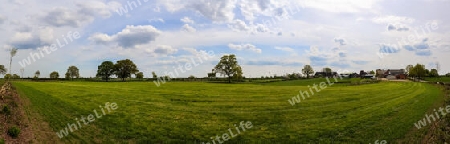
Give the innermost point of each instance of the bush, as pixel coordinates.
(2, 141)
(6, 110)
(14, 132)
(355, 81)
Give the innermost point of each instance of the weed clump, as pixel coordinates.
(14, 132)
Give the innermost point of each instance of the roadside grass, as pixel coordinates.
(180, 112)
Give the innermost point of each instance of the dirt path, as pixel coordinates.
(19, 115)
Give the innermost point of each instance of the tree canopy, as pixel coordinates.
(228, 66)
(307, 70)
(124, 68)
(2, 70)
(105, 70)
(73, 72)
(54, 75)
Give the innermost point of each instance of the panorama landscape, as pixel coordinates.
(224, 71)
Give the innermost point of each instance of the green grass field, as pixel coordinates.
(192, 112)
(438, 79)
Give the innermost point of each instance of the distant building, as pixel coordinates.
(325, 74)
(391, 73)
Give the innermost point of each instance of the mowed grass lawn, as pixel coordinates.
(192, 112)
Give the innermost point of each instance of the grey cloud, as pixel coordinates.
(129, 36)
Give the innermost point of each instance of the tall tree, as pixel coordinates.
(434, 73)
(154, 75)
(307, 70)
(105, 70)
(13, 53)
(124, 68)
(140, 75)
(409, 68)
(327, 71)
(37, 74)
(2, 70)
(418, 71)
(73, 72)
(54, 75)
(228, 66)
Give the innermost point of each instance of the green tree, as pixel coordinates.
(2, 70)
(372, 72)
(307, 70)
(15, 76)
(7, 76)
(409, 68)
(73, 72)
(54, 75)
(37, 74)
(154, 75)
(140, 75)
(327, 71)
(434, 73)
(447, 75)
(67, 76)
(228, 66)
(105, 70)
(124, 68)
(418, 71)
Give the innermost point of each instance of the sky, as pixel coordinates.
(269, 37)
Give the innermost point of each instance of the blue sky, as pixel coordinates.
(268, 36)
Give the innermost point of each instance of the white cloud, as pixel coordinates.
(187, 20)
(216, 11)
(286, 49)
(392, 19)
(188, 28)
(245, 47)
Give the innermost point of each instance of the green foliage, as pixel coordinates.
(15, 76)
(2, 70)
(418, 71)
(434, 73)
(14, 132)
(6, 110)
(73, 72)
(307, 70)
(2, 141)
(355, 81)
(154, 75)
(105, 70)
(228, 66)
(37, 74)
(54, 75)
(140, 75)
(8, 76)
(124, 68)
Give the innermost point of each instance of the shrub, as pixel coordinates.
(2, 141)
(6, 110)
(14, 132)
(355, 81)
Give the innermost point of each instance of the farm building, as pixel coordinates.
(391, 73)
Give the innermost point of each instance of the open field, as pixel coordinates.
(180, 112)
(438, 79)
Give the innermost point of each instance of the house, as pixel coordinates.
(325, 74)
(391, 73)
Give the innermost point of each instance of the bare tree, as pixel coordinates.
(13, 53)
